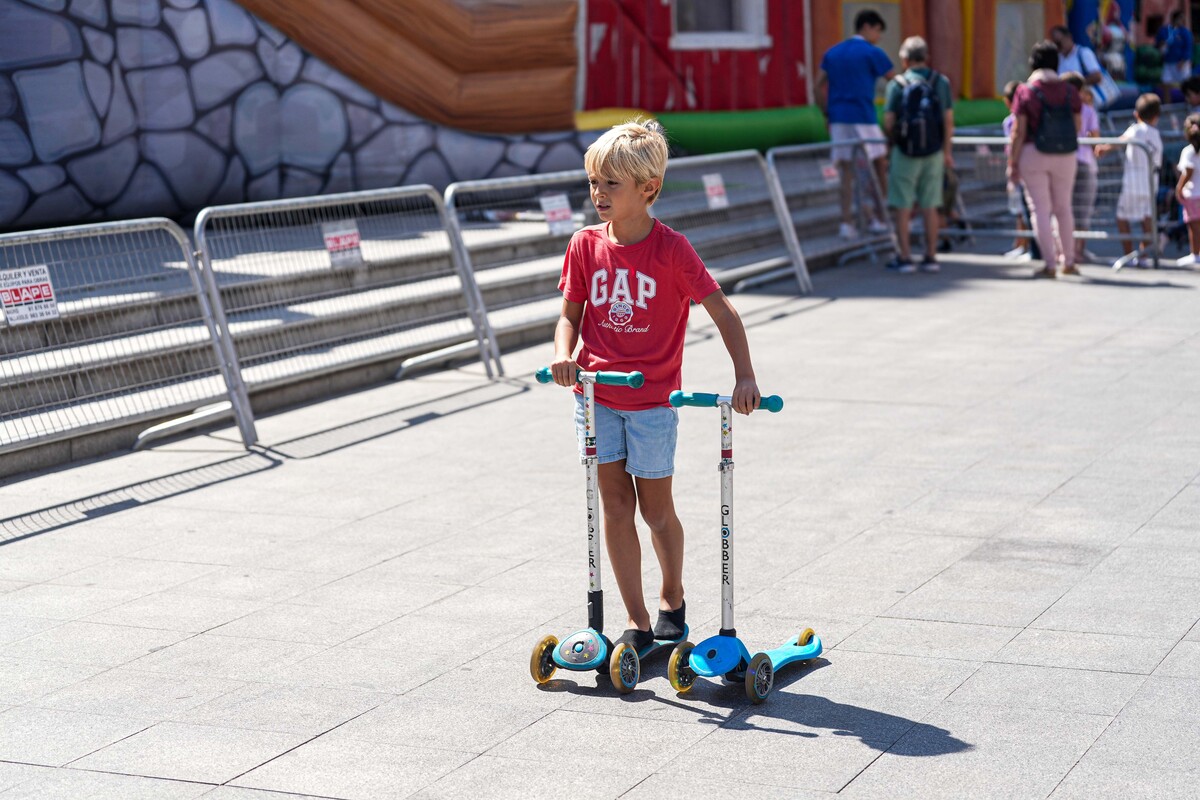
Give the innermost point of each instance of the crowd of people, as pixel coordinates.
(1051, 174)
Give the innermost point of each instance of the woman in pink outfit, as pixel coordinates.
(1046, 164)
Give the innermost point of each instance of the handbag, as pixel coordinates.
(1106, 91)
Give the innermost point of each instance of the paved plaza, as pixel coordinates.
(983, 493)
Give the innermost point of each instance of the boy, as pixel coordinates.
(1139, 184)
(626, 285)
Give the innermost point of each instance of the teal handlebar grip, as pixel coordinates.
(699, 399)
(773, 403)
(633, 380)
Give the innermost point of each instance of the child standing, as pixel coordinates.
(1084, 196)
(1186, 191)
(627, 284)
(1139, 185)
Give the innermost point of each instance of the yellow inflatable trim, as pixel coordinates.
(600, 119)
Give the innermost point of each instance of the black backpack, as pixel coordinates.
(920, 125)
(1056, 129)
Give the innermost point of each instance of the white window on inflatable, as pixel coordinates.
(719, 25)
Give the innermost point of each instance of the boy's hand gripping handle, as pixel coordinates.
(706, 400)
(633, 380)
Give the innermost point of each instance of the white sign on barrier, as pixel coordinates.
(829, 172)
(27, 295)
(714, 188)
(557, 208)
(343, 242)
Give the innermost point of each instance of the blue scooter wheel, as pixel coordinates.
(679, 668)
(624, 668)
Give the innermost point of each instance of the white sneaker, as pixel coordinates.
(847, 231)
(1187, 261)
(878, 226)
(1016, 253)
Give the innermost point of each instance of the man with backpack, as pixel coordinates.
(918, 120)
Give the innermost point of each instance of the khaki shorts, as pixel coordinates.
(842, 131)
(915, 180)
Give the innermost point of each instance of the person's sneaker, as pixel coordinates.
(1017, 253)
(1144, 262)
(847, 231)
(901, 265)
(1187, 261)
(930, 264)
(878, 226)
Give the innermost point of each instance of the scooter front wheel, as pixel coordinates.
(760, 676)
(541, 663)
(679, 668)
(624, 668)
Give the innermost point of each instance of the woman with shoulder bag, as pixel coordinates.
(1042, 155)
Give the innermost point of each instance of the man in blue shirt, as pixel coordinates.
(1176, 42)
(851, 70)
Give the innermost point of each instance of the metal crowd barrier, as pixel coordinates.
(309, 286)
(105, 326)
(513, 232)
(987, 208)
(810, 184)
(1170, 121)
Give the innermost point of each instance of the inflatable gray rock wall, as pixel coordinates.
(112, 109)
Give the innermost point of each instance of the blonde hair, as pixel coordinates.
(634, 151)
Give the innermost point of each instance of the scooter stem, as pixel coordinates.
(725, 467)
(595, 545)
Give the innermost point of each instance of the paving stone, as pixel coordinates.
(469, 726)
(177, 612)
(142, 694)
(105, 786)
(62, 602)
(54, 738)
(1083, 691)
(1089, 779)
(287, 709)
(990, 740)
(355, 769)
(24, 681)
(1125, 651)
(931, 639)
(190, 752)
(91, 644)
(206, 655)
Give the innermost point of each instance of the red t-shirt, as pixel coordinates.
(1026, 103)
(636, 301)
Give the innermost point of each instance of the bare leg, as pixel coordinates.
(1126, 242)
(666, 534)
(931, 231)
(881, 174)
(1146, 230)
(903, 217)
(621, 538)
(846, 171)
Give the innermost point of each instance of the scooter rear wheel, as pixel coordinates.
(541, 663)
(624, 668)
(760, 676)
(679, 668)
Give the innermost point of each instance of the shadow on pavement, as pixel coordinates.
(52, 518)
(724, 704)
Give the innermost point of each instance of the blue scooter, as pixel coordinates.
(725, 654)
(589, 648)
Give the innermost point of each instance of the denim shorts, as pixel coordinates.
(644, 439)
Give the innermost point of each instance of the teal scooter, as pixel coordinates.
(589, 648)
(725, 654)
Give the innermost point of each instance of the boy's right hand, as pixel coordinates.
(564, 369)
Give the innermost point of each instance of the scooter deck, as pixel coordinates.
(661, 644)
(727, 656)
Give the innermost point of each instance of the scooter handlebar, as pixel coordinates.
(707, 400)
(633, 380)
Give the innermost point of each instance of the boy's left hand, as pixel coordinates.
(745, 395)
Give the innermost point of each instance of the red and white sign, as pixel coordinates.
(714, 188)
(343, 242)
(557, 208)
(829, 172)
(27, 295)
